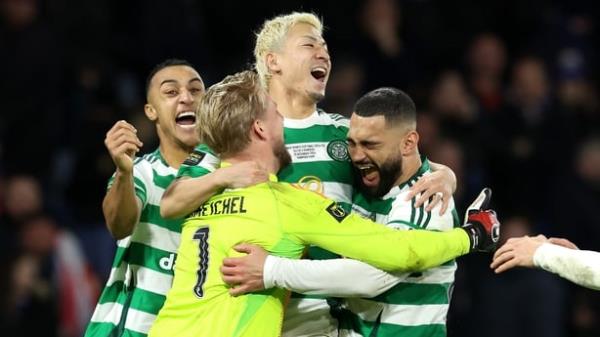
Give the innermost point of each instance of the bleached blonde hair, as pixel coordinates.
(272, 35)
(227, 111)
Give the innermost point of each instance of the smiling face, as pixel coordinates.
(173, 96)
(302, 63)
(375, 150)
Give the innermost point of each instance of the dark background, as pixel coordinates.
(507, 93)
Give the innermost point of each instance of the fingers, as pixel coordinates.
(244, 248)
(121, 125)
(563, 242)
(239, 290)
(433, 201)
(510, 263)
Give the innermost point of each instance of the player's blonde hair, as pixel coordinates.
(272, 35)
(228, 109)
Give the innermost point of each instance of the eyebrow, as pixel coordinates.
(310, 37)
(175, 81)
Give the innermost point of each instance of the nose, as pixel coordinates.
(323, 53)
(356, 153)
(186, 97)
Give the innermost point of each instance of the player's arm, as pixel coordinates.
(437, 186)
(120, 206)
(328, 226)
(335, 277)
(196, 184)
(579, 266)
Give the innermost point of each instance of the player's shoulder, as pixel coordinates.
(334, 119)
(298, 199)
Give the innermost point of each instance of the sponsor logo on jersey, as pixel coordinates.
(338, 150)
(337, 212)
(167, 262)
(194, 158)
(311, 183)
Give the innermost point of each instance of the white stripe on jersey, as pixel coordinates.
(153, 281)
(156, 237)
(414, 314)
(108, 313)
(139, 321)
(308, 152)
(316, 118)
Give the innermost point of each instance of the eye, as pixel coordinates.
(195, 91)
(308, 45)
(171, 92)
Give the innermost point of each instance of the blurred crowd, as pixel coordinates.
(507, 95)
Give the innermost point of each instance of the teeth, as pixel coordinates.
(321, 69)
(364, 166)
(186, 114)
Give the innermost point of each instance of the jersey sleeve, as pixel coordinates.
(200, 162)
(325, 224)
(142, 180)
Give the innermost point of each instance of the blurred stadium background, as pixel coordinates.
(507, 93)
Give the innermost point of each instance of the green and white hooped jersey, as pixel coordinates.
(417, 306)
(320, 163)
(142, 270)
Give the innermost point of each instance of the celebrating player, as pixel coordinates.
(293, 63)
(239, 121)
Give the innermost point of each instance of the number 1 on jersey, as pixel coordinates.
(202, 236)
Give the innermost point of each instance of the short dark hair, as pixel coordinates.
(394, 104)
(165, 64)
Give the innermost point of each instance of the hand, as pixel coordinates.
(481, 223)
(245, 273)
(437, 185)
(122, 144)
(243, 174)
(516, 252)
(563, 242)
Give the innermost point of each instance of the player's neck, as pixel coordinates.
(173, 153)
(262, 155)
(410, 166)
(290, 103)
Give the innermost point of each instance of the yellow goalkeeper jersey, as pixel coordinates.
(283, 219)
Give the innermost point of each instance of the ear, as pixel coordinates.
(409, 143)
(273, 63)
(258, 130)
(150, 112)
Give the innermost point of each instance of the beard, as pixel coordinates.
(282, 155)
(389, 172)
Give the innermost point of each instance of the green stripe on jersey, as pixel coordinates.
(96, 329)
(314, 134)
(392, 330)
(328, 171)
(162, 181)
(149, 257)
(192, 171)
(151, 214)
(141, 299)
(416, 294)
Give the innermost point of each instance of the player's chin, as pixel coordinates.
(316, 96)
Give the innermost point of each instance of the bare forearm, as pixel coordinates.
(447, 171)
(187, 194)
(120, 206)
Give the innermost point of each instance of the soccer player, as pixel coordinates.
(239, 121)
(383, 145)
(142, 268)
(293, 63)
(555, 255)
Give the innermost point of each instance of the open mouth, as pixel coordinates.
(186, 119)
(367, 171)
(319, 73)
